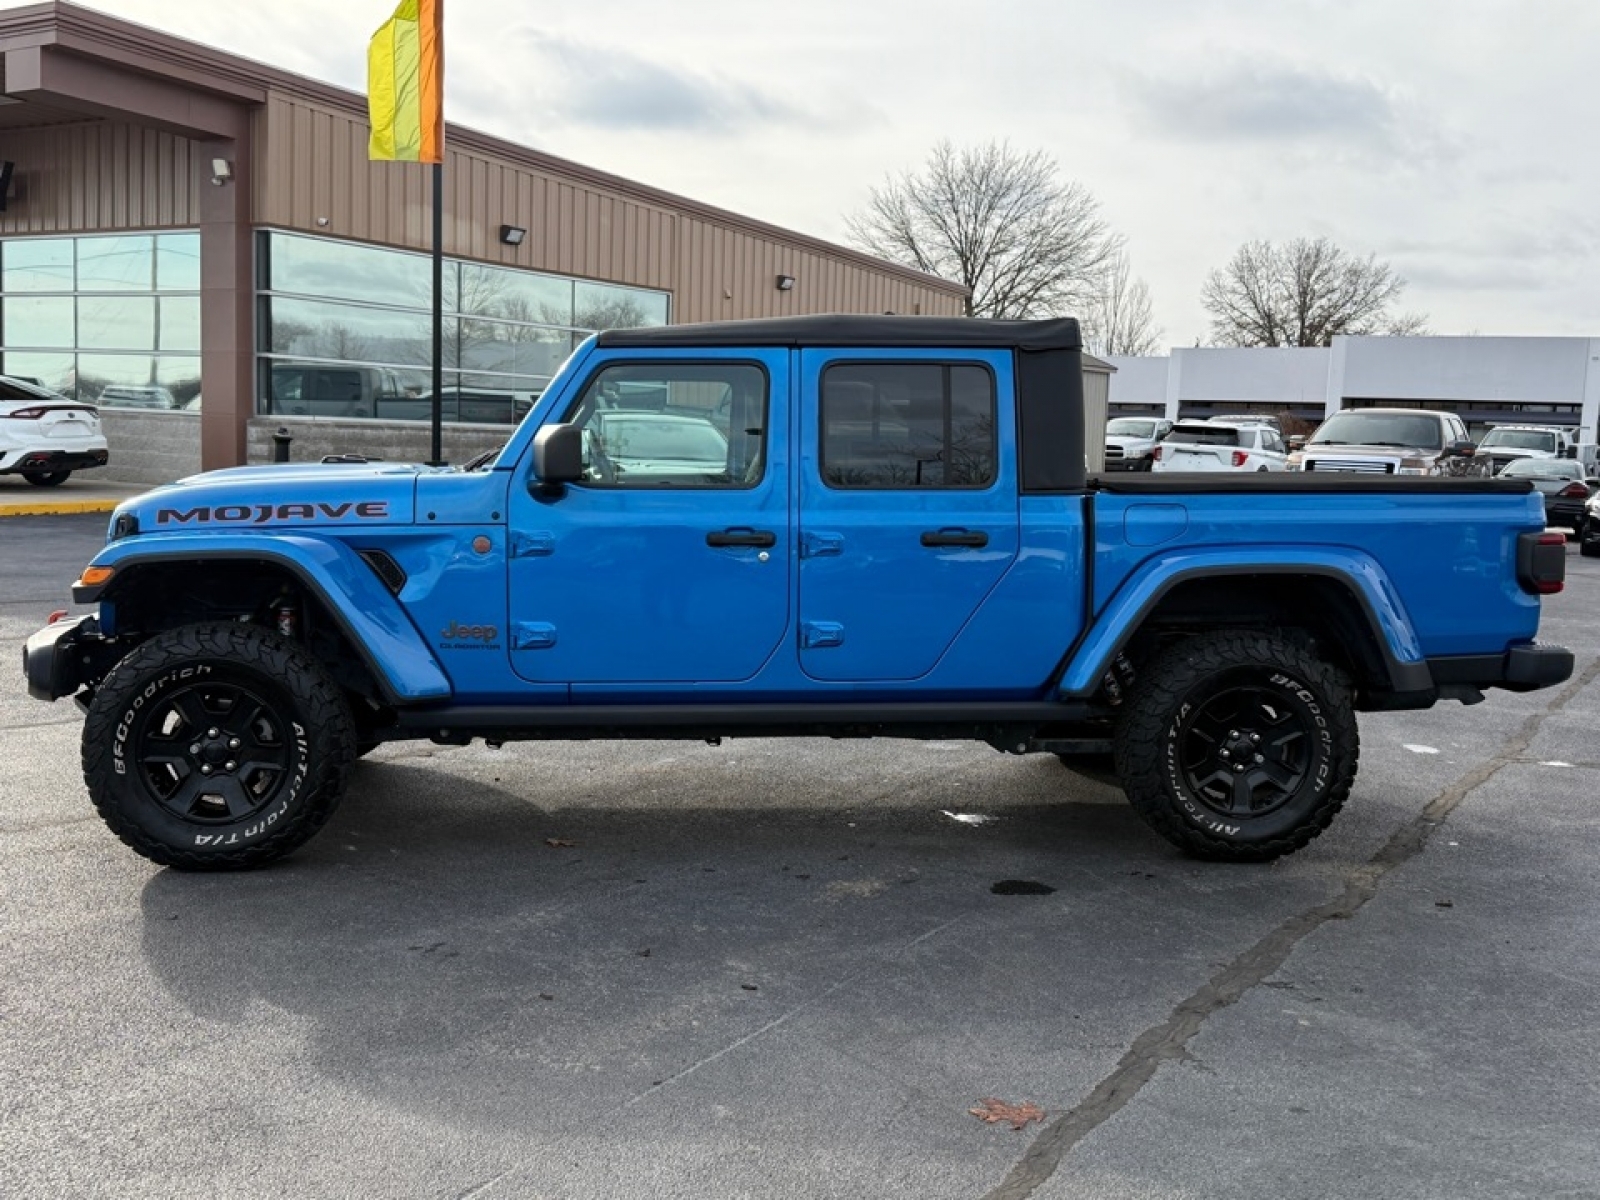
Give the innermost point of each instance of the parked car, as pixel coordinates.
(120, 395)
(1589, 535)
(1131, 442)
(44, 437)
(1221, 446)
(1507, 443)
(1391, 441)
(1563, 484)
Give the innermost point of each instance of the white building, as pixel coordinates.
(1487, 380)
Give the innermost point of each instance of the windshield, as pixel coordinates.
(1521, 439)
(1131, 427)
(1358, 428)
(1543, 468)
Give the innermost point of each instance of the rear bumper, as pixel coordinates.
(46, 461)
(1520, 669)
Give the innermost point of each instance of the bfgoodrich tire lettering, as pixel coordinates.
(216, 747)
(1239, 746)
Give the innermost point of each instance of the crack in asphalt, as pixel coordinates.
(1169, 1041)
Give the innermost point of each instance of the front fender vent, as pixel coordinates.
(386, 569)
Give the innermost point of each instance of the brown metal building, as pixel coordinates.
(199, 244)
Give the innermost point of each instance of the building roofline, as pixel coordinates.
(97, 35)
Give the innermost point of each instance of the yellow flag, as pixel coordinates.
(405, 84)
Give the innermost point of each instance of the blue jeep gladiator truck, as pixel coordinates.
(818, 526)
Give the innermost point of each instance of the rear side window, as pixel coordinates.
(908, 425)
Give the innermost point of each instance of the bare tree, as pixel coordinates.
(1303, 294)
(1120, 319)
(1024, 243)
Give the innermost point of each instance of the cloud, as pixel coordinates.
(610, 88)
(1250, 103)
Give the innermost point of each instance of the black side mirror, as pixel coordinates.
(558, 454)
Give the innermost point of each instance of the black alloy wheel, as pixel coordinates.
(216, 747)
(1238, 745)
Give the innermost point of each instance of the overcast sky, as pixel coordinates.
(1455, 140)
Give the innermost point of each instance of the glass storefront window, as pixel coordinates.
(606, 306)
(346, 271)
(515, 295)
(178, 262)
(346, 331)
(117, 264)
(38, 321)
(54, 371)
(36, 265)
(139, 350)
(349, 332)
(178, 323)
(117, 323)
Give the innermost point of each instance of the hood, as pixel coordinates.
(1324, 451)
(1127, 439)
(293, 494)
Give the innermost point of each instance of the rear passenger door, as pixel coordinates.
(909, 514)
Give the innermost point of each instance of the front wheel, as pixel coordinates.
(46, 478)
(216, 747)
(1238, 746)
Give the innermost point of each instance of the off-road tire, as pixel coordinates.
(46, 478)
(217, 747)
(1238, 746)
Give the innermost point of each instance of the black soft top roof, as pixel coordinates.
(1059, 333)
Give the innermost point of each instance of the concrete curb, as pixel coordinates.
(44, 508)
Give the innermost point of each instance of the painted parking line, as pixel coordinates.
(45, 508)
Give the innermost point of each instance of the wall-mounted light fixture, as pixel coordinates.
(786, 283)
(221, 171)
(512, 235)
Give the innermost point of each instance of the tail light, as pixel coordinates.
(1155, 454)
(1574, 491)
(27, 414)
(1240, 458)
(1542, 562)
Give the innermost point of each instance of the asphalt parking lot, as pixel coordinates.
(787, 969)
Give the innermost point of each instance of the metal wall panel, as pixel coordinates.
(99, 176)
(313, 175)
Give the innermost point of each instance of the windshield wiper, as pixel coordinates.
(482, 460)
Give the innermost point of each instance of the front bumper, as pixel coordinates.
(63, 657)
(46, 461)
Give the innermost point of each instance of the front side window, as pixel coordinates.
(908, 425)
(676, 425)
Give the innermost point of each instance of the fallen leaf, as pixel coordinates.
(994, 1111)
(559, 843)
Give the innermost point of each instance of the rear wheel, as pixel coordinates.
(216, 747)
(1238, 746)
(46, 478)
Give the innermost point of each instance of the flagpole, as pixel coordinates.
(437, 459)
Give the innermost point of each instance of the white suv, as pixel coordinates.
(45, 437)
(1221, 446)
